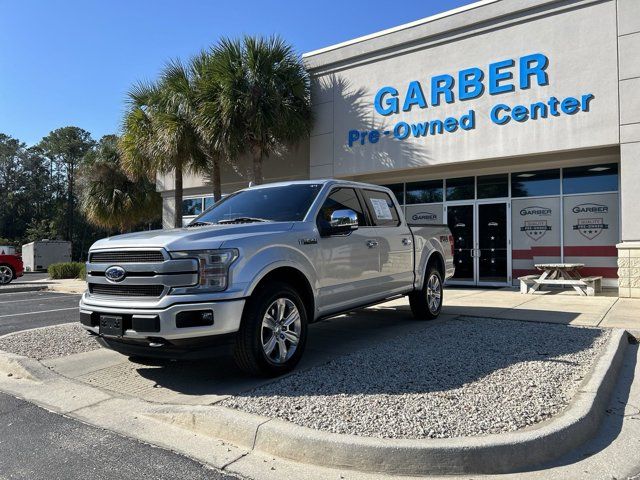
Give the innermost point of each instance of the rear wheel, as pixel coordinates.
(273, 331)
(6, 274)
(427, 302)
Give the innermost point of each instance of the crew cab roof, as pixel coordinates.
(323, 181)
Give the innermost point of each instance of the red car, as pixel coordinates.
(11, 267)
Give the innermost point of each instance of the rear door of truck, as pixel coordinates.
(394, 242)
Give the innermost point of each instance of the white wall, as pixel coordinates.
(581, 45)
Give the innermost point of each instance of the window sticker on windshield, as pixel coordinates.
(381, 209)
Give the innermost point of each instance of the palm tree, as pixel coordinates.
(208, 119)
(112, 200)
(261, 100)
(159, 135)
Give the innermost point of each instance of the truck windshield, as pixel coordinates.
(287, 203)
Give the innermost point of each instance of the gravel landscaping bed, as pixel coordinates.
(49, 342)
(463, 377)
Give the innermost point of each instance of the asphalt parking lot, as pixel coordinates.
(31, 277)
(36, 444)
(22, 311)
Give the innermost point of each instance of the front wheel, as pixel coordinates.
(6, 274)
(427, 302)
(273, 331)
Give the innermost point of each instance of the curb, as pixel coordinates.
(18, 366)
(22, 289)
(492, 454)
(232, 426)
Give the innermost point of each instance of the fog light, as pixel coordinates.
(194, 318)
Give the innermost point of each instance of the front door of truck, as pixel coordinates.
(348, 267)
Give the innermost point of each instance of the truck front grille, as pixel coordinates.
(127, 290)
(133, 256)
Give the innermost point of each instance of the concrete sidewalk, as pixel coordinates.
(561, 306)
(68, 285)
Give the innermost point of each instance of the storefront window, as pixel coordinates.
(192, 206)
(460, 188)
(535, 234)
(424, 214)
(208, 201)
(592, 178)
(493, 186)
(398, 191)
(429, 191)
(591, 232)
(535, 183)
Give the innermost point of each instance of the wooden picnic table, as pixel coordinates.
(563, 274)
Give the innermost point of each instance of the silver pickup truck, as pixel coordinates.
(256, 268)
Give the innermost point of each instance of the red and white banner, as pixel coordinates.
(591, 231)
(535, 233)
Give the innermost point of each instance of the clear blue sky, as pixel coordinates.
(71, 62)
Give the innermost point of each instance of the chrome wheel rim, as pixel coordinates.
(280, 332)
(6, 275)
(434, 293)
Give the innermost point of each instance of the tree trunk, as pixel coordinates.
(257, 166)
(177, 197)
(70, 202)
(217, 181)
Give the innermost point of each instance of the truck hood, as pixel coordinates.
(194, 238)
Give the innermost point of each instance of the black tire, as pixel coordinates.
(249, 352)
(3, 280)
(421, 307)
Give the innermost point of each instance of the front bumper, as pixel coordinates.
(159, 325)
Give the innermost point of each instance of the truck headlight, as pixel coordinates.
(213, 271)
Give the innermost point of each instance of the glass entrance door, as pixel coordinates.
(461, 224)
(492, 243)
(481, 242)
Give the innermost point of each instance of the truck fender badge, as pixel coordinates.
(308, 241)
(115, 273)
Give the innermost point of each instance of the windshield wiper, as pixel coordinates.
(242, 220)
(199, 223)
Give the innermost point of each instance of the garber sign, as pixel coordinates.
(498, 78)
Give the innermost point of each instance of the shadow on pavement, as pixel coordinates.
(436, 356)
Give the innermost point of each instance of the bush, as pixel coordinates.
(67, 270)
(82, 274)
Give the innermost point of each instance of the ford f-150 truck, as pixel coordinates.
(255, 269)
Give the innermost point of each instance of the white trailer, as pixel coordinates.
(39, 255)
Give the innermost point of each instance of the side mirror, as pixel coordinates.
(342, 222)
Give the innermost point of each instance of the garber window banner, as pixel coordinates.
(497, 78)
(535, 227)
(591, 233)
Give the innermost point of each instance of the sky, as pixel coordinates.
(72, 62)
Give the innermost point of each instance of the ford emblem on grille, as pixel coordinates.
(115, 274)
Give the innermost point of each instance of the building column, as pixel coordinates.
(321, 142)
(629, 86)
(168, 210)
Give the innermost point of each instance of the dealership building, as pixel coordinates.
(516, 122)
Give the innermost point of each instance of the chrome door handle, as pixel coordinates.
(372, 243)
(406, 241)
